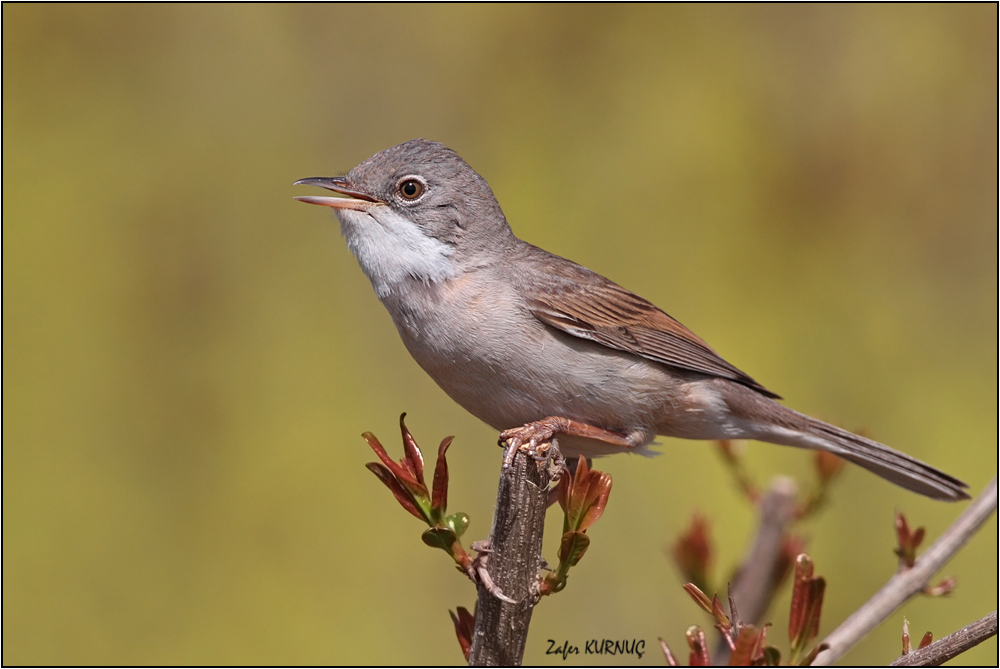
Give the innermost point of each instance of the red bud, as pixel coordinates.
(699, 649)
(693, 552)
(465, 623)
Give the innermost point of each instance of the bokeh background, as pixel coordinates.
(190, 356)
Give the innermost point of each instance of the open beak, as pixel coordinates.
(358, 201)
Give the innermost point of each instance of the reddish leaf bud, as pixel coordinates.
(413, 460)
(945, 587)
(828, 466)
(726, 450)
(465, 623)
(699, 597)
(693, 552)
(401, 494)
(598, 492)
(439, 491)
(792, 546)
(699, 648)
(671, 660)
(907, 541)
(807, 604)
(747, 648)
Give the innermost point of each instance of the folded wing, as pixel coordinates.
(588, 306)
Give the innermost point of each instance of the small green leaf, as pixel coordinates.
(458, 522)
(439, 537)
(572, 548)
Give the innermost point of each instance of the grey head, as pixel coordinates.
(417, 209)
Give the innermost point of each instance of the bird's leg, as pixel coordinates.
(544, 431)
(478, 568)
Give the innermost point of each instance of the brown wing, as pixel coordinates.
(586, 305)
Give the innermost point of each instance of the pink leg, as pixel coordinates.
(542, 431)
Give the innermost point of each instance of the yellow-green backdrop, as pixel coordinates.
(190, 356)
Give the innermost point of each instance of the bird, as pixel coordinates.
(540, 347)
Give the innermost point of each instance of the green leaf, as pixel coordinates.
(440, 537)
(572, 547)
(458, 522)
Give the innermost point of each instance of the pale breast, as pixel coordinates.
(484, 349)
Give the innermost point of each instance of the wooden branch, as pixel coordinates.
(754, 585)
(952, 645)
(908, 582)
(514, 558)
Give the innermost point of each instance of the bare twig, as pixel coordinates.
(514, 558)
(952, 645)
(754, 585)
(909, 582)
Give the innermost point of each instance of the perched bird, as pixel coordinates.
(538, 346)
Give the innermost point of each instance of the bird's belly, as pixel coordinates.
(507, 369)
(508, 381)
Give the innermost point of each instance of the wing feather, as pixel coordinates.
(601, 311)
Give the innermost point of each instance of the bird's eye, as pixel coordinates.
(411, 189)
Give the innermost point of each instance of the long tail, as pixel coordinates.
(890, 464)
(766, 420)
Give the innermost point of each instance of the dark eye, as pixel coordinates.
(411, 189)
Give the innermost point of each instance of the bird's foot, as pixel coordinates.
(480, 574)
(538, 439)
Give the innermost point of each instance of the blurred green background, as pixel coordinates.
(190, 356)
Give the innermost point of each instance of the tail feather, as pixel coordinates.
(877, 458)
(766, 420)
(890, 464)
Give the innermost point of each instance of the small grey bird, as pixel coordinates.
(538, 346)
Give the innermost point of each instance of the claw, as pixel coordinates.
(491, 587)
(511, 450)
(479, 573)
(537, 438)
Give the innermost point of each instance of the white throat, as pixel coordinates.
(391, 249)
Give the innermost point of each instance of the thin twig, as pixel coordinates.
(909, 582)
(754, 585)
(952, 645)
